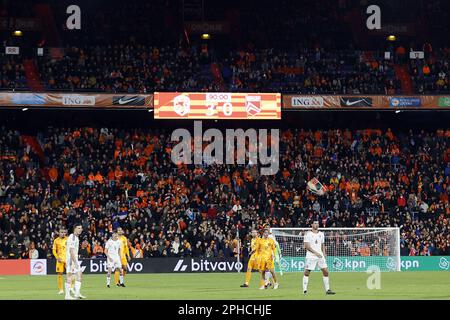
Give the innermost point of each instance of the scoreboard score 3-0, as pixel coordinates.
(217, 105)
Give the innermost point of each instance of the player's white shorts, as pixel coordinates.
(72, 266)
(114, 263)
(311, 263)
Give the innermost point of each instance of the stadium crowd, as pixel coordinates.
(298, 53)
(127, 68)
(431, 75)
(105, 178)
(144, 69)
(12, 74)
(311, 71)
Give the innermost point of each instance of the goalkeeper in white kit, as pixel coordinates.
(315, 256)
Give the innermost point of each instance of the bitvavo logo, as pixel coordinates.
(101, 266)
(206, 266)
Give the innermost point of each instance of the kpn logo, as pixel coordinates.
(291, 264)
(338, 264)
(444, 263)
(345, 264)
(391, 264)
(284, 265)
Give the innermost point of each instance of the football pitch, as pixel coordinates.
(207, 286)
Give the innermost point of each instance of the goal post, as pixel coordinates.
(347, 249)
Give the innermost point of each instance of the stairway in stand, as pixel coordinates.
(402, 74)
(215, 70)
(32, 75)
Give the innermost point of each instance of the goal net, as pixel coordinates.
(346, 249)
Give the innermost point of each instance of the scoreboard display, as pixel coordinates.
(217, 105)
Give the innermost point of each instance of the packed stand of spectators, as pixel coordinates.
(145, 69)
(310, 72)
(105, 178)
(288, 46)
(127, 68)
(12, 74)
(431, 75)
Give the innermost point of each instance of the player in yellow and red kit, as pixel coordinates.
(59, 251)
(254, 260)
(266, 252)
(125, 257)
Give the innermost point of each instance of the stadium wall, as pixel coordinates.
(197, 265)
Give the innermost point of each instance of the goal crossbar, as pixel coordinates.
(346, 249)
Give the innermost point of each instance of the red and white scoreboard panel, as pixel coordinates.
(217, 105)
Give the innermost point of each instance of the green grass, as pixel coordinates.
(395, 285)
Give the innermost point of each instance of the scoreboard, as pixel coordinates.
(217, 105)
